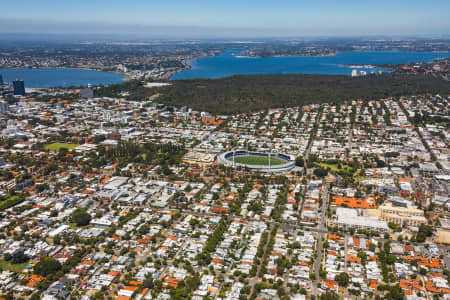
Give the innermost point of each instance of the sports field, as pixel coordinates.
(18, 268)
(57, 146)
(257, 160)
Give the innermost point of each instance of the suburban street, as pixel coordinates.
(350, 140)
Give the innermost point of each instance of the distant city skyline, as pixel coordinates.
(202, 18)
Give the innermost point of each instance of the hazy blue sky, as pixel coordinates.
(227, 18)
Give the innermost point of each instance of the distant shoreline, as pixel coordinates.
(367, 64)
(288, 55)
(338, 52)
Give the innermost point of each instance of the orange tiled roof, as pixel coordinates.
(219, 209)
(332, 253)
(354, 259)
(369, 202)
(334, 237)
(87, 263)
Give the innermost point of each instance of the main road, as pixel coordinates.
(313, 135)
(350, 140)
(323, 218)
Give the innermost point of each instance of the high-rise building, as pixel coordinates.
(4, 107)
(19, 87)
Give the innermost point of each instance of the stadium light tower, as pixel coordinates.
(234, 151)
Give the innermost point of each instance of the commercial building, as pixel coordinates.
(349, 218)
(200, 158)
(403, 216)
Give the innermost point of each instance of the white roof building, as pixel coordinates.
(348, 217)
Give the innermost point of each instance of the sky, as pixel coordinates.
(219, 18)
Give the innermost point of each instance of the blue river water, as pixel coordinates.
(61, 77)
(229, 63)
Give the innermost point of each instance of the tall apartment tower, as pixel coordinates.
(19, 87)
